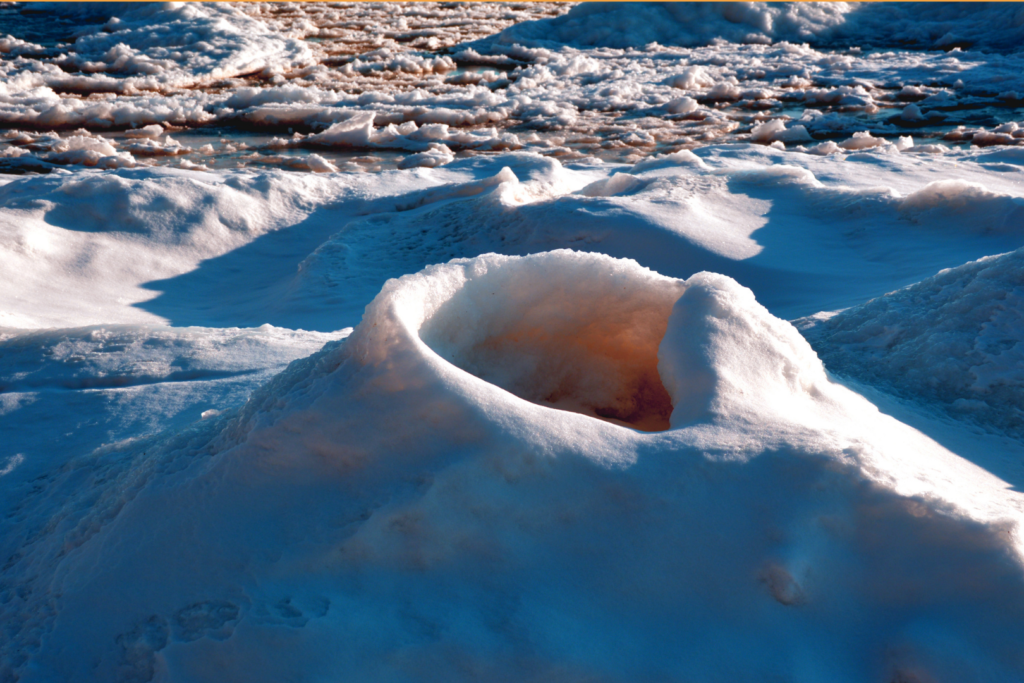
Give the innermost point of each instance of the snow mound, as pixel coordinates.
(620, 183)
(600, 336)
(387, 507)
(85, 243)
(681, 158)
(775, 130)
(994, 26)
(955, 339)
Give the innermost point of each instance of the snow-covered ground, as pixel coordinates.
(512, 342)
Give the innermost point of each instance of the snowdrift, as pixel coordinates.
(760, 215)
(243, 248)
(562, 465)
(84, 244)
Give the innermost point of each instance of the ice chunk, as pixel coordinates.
(764, 132)
(912, 112)
(776, 130)
(724, 91)
(151, 131)
(355, 132)
(318, 164)
(862, 140)
(825, 148)
(692, 78)
(682, 105)
(436, 155)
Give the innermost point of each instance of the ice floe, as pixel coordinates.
(823, 71)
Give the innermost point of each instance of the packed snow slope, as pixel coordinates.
(449, 342)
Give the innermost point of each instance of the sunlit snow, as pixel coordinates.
(512, 342)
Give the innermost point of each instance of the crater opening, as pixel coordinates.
(577, 332)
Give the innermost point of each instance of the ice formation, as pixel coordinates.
(421, 474)
(449, 342)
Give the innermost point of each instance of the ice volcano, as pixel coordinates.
(462, 490)
(556, 335)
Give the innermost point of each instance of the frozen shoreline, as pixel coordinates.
(416, 345)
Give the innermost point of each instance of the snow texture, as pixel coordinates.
(955, 339)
